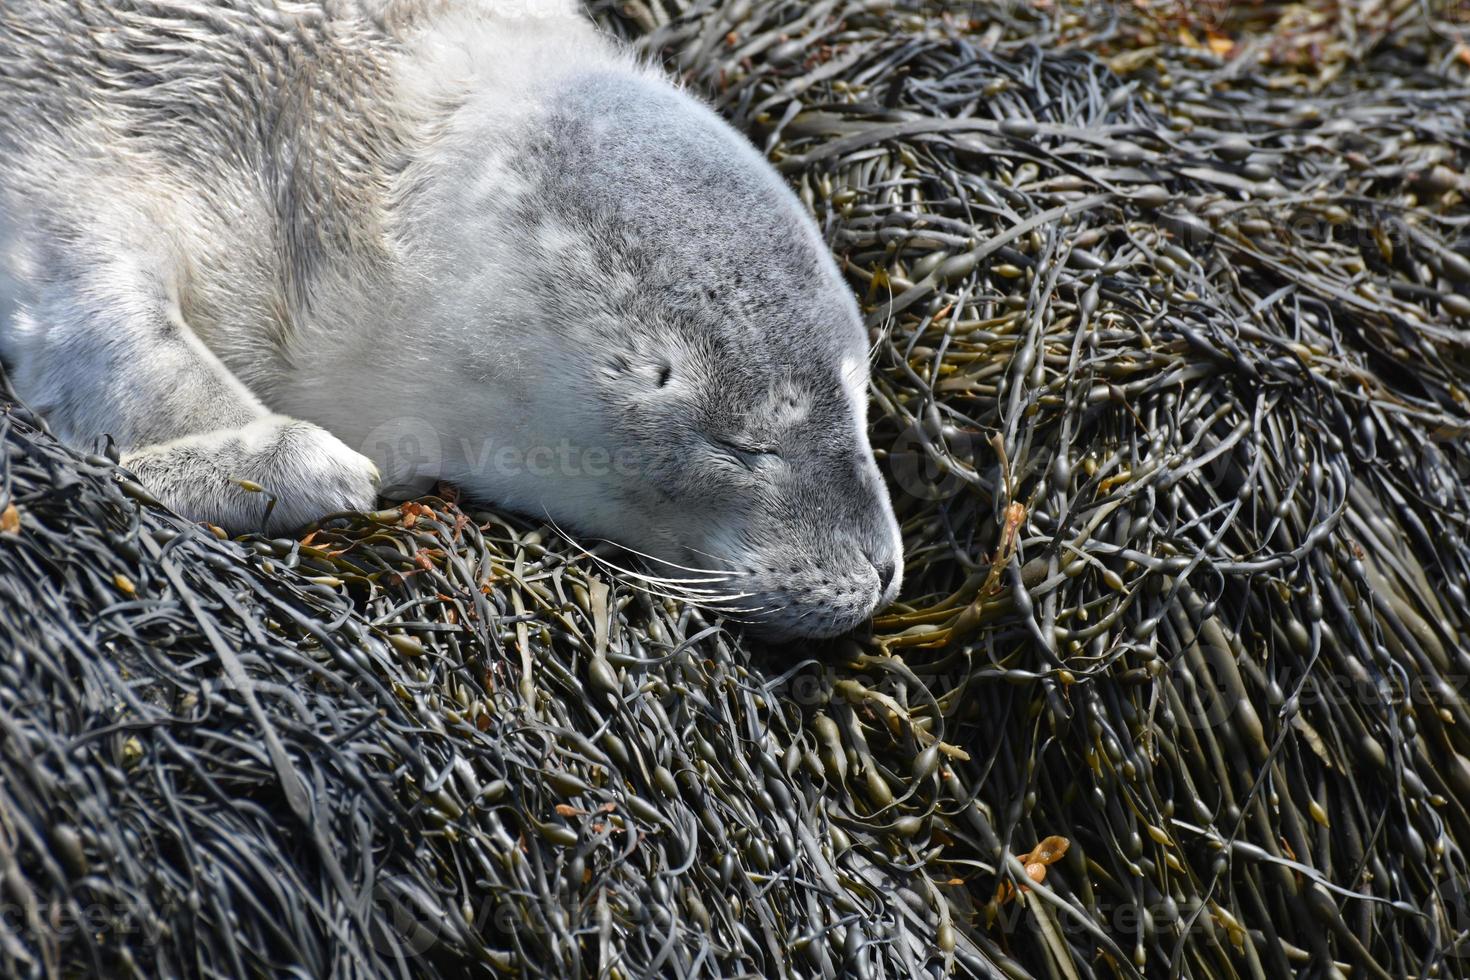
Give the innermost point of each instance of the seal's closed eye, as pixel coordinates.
(749, 454)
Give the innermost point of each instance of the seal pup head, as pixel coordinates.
(667, 356)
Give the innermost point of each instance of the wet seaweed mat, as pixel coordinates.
(1171, 365)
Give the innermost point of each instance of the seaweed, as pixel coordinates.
(1171, 351)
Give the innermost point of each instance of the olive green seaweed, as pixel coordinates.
(1171, 347)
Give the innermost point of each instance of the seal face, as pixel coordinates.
(723, 354)
(519, 262)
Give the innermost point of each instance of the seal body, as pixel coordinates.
(315, 245)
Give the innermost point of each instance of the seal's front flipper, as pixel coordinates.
(302, 471)
(107, 352)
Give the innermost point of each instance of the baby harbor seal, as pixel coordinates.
(299, 243)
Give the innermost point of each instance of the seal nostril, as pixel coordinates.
(885, 574)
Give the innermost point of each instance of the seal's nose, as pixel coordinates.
(885, 571)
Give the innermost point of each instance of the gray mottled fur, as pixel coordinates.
(303, 244)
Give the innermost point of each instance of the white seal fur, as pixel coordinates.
(297, 243)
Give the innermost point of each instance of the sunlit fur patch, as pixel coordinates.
(854, 373)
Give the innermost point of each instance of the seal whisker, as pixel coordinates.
(743, 615)
(670, 588)
(721, 603)
(635, 582)
(705, 576)
(666, 588)
(697, 551)
(740, 617)
(675, 588)
(661, 580)
(719, 558)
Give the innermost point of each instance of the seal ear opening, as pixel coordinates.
(665, 371)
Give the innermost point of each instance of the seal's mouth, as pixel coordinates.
(817, 617)
(800, 600)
